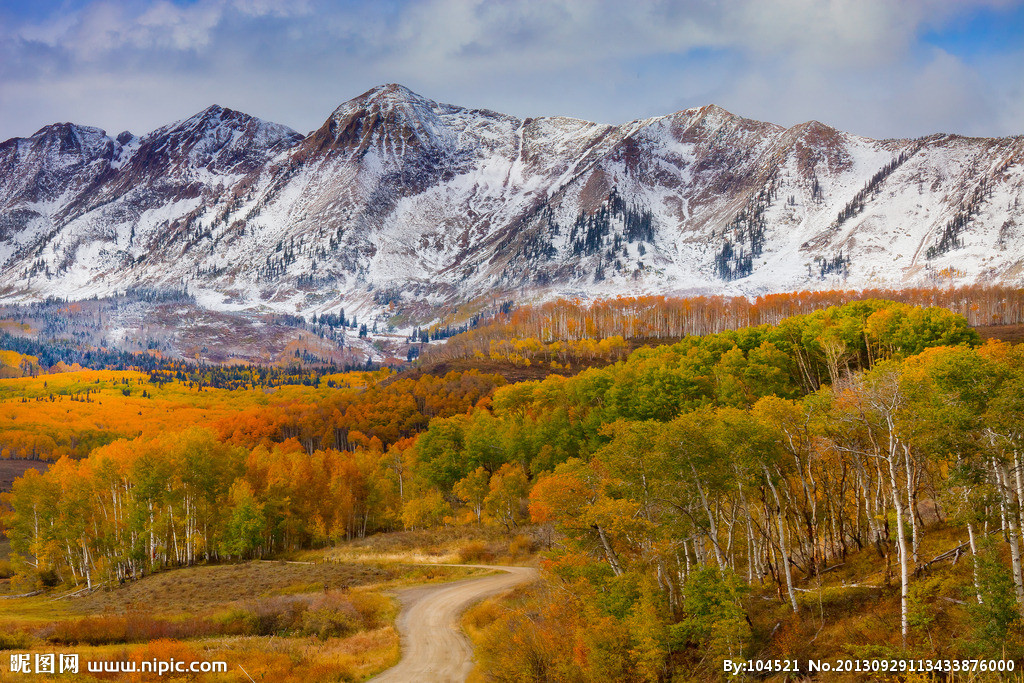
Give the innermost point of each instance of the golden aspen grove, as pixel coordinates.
(813, 475)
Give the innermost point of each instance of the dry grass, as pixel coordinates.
(335, 614)
(12, 469)
(468, 544)
(273, 618)
(1014, 334)
(277, 660)
(307, 660)
(255, 615)
(205, 588)
(480, 622)
(854, 610)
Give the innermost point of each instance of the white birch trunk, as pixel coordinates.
(782, 541)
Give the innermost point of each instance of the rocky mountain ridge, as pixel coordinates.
(401, 204)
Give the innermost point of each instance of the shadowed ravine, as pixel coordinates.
(434, 649)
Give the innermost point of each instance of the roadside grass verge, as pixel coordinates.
(279, 620)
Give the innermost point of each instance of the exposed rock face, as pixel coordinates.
(399, 199)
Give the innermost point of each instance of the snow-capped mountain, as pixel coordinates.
(399, 202)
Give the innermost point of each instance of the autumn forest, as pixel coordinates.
(808, 475)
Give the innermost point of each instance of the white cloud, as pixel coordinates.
(857, 64)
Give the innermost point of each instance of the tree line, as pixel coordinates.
(660, 317)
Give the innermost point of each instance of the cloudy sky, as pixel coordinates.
(883, 68)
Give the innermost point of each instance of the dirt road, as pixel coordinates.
(434, 649)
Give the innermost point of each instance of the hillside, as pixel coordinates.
(835, 485)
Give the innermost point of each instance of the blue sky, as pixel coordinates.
(881, 68)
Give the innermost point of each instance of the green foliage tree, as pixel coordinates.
(246, 523)
(715, 618)
(996, 618)
(473, 490)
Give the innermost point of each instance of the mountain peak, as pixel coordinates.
(720, 116)
(713, 109)
(216, 115)
(712, 118)
(387, 115)
(813, 127)
(216, 137)
(394, 92)
(817, 134)
(85, 142)
(65, 128)
(387, 98)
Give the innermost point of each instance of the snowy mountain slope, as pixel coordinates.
(400, 203)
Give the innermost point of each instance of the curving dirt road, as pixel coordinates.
(434, 648)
